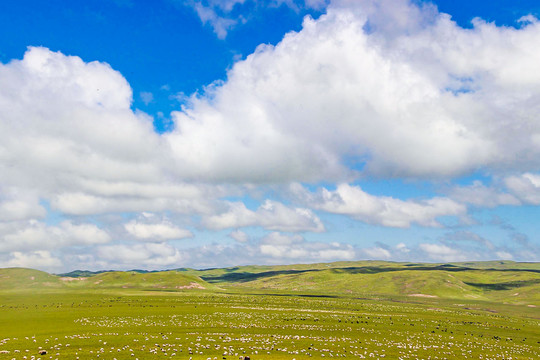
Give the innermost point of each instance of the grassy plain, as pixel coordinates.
(353, 310)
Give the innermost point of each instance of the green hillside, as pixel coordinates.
(25, 279)
(163, 280)
(500, 281)
(357, 310)
(494, 281)
(21, 278)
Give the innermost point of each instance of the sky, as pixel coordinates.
(204, 133)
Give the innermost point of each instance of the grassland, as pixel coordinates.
(369, 310)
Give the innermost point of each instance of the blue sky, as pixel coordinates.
(138, 134)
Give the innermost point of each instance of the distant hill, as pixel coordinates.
(160, 280)
(24, 279)
(504, 281)
(82, 273)
(499, 281)
(87, 273)
(21, 278)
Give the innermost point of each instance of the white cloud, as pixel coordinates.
(152, 255)
(270, 215)
(513, 190)
(316, 4)
(69, 137)
(422, 97)
(42, 260)
(34, 235)
(504, 255)
(66, 122)
(239, 236)
(73, 136)
(80, 203)
(20, 210)
(444, 253)
(20, 205)
(219, 14)
(146, 97)
(452, 239)
(274, 248)
(402, 247)
(208, 14)
(156, 231)
(283, 251)
(402, 88)
(287, 247)
(387, 211)
(526, 187)
(480, 195)
(377, 253)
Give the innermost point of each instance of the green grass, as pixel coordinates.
(163, 280)
(494, 281)
(19, 278)
(353, 310)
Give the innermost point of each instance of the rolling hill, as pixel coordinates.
(495, 281)
(162, 280)
(20, 278)
(500, 281)
(29, 279)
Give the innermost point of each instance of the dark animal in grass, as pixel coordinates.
(42, 352)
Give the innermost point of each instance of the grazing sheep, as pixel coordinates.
(42, 352)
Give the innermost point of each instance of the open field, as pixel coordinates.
(272, 313)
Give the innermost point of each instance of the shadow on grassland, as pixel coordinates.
(504, 286)
(248, 276)
(234, 275)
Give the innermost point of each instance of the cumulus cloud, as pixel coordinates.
(41, 259)
(439, 252)
(220, 14)
(270, 215)
(402, 88)
(209, 15)
(377, 253)
(20, 205)
(467, 245)
(149, 255)
(397, 111)
(239, 236)
(382, 210)
(504, 255)
(20, 210)
(526, 187)
(156, 231)
(70, 121)
(146, 97)
(483, 196)
(286, 247)
(83, 203)
(273, 248)
(454, 238)
(512, 190)
(398, 88)
(421, 98)
(35, 235)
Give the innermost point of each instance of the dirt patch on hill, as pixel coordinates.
(423, 295)
(69, 279)
(192, 285)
